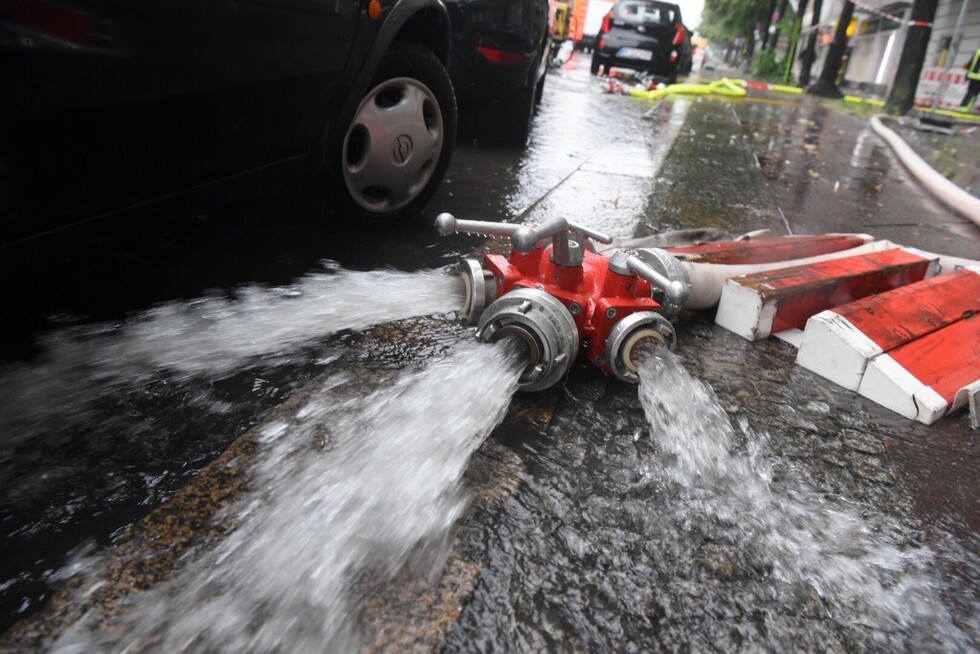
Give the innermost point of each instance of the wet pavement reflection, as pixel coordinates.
(580, 536)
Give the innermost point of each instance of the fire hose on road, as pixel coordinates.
(942, 188)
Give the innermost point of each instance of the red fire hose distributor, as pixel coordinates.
(559, 297)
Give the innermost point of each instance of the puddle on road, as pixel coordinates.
(363, 483)
(110, 419)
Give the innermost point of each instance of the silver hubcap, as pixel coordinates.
(392, 145)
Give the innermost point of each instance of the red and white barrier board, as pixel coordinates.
(929, 377)
(757, 305)
(838, 343)
(881, 323)
(931, 83)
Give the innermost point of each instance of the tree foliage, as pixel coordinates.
(723, 20)
(766, 68)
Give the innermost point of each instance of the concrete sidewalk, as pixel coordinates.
(806, 166)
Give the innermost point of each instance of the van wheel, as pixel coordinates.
(397, 147)
(596, 63)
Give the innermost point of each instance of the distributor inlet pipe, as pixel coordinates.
(708, 279)
(705, 281)
(695, 285)
(945, 190)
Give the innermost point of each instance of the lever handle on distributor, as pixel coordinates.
(566, 240)
(565, 237)
(527, 238)
(447, 224)
(675, 291)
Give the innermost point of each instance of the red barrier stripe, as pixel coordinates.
(755, 306)
(921, 379)
(838, 343)
(768, 249)
(910, 312)
(895, 19)
(945, 360)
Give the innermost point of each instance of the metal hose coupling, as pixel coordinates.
(543, 325)
(645, 327)
(480, 289)
(666, 274)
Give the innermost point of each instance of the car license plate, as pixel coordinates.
(635, 53)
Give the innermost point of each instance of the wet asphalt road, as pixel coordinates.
(83, 483)
(597, 160)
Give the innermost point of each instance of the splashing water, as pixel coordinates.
(383, 486)
(807, 538)
(208, 337)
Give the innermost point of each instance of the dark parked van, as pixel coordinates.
(106, 105)
(499, 59)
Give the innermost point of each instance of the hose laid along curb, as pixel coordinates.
(948, 192)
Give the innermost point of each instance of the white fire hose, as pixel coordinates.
(945, 190)
(705, 281)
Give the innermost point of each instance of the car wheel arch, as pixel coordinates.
(425, 22)
(422, 23)
(429, 29)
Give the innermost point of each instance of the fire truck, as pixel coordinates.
(586, 20)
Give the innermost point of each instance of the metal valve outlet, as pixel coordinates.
(543, 325)
(480, 288)
(646, 328)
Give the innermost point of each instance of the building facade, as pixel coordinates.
(878, 32)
